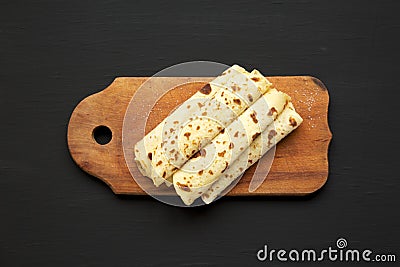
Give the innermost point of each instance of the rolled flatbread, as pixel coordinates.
(145, 147)
(195, 123)
(284, 124)
(198, 174)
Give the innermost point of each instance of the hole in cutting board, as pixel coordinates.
(102, 135)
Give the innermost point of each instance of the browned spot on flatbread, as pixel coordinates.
(206, 89)
(231, 145)
(237, 101)
(226, 166)
(176, 122)
(236, 134)
(196, 155)
(187, 135)
(255, 136)
(272, 111)
(256, 79)
(250, 97)
(253, 116)
(159, 163)
(184, 187)
(271, 134)
(235, 88)
(210, 172)
(200, 105)
(150, 156)
(171, 130)
(223, 131)
(203, 152)
(204, 113)
(198, 128)
(293, 122)
(200, 172)
(221, 154)
(164, 174)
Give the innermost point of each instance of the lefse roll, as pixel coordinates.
(283, 125)
(197, 121)
(199, 173)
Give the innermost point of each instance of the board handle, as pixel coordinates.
(95, 134)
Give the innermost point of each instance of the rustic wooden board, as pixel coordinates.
(300, 166)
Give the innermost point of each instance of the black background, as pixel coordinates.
(55, 53)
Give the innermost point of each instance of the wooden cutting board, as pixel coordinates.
(300, 165)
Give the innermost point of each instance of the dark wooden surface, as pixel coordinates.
(300, 166)
(54, 53)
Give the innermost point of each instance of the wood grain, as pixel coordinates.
(300, 165)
